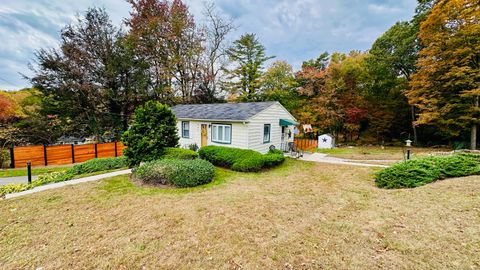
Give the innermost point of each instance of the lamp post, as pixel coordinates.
(408, 144)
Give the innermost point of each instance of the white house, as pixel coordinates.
(255, 125)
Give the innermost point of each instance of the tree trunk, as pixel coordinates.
(473, 138)
(414, 128)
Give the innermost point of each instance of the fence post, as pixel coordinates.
(12, 158)
(115, 148)
(73, 153)
(29, 171)
(45, 154)
(96, 151)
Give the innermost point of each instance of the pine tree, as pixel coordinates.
(249, 56)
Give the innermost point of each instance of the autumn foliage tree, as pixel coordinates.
(446, 86)
(8, 107)
(165, 36)
(279, 84)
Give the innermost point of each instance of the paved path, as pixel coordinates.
(324, 158)
(67, 183)
(15, 180)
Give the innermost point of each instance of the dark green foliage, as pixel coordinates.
(253, 163)
(91, 166)
(179, 153)
(177, 172)
(153, 129)
(273, 158)
(99, 164)
(240, 159)
(248, 56)
(93, 82)
(4, 158)
(418, 172)
(275, 151)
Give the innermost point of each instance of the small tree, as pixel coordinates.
(153, 129)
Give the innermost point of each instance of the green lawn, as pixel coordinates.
(300, 215)
(35, 170)
(377, 152)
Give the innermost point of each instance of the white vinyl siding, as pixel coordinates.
(272, 116)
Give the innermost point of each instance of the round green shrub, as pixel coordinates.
(273, 159)
(179, 153)
(177, 172)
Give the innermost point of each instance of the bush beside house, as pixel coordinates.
(152, 130)
(418, 172)
(242, 160)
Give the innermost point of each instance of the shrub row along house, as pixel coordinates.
(254, 125)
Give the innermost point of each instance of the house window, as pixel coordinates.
(266, 133)
(185, 129)
(221, 133)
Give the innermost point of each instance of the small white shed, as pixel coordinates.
(326, 141)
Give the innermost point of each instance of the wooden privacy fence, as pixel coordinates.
(44, 155)
(306, 144)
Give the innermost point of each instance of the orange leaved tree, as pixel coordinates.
(446, 85)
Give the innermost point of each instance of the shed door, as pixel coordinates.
(204, 134)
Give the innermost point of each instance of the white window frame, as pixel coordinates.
(269, 133)
(183, 129)
(218, 136)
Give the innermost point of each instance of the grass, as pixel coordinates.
(298, 216)
(377, 153)
(35, 170)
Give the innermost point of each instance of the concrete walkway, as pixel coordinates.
(324, 158)
(15, 180)
(67, 183)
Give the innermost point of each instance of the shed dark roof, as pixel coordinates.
(220, 111)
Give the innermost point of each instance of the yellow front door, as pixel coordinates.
(204, 134)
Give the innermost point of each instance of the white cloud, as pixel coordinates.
(293, 30)
(380, 9)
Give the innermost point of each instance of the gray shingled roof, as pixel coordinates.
(220, 111)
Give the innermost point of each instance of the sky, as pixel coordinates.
(291, 30)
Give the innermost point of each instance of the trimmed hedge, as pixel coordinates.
(93, 165)
(272, 159)
(179, 153)
(99, 164)
(242, 160)
(177, 172)
(419, 172)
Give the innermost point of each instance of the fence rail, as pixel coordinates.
(306, 144)
(44, 155)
